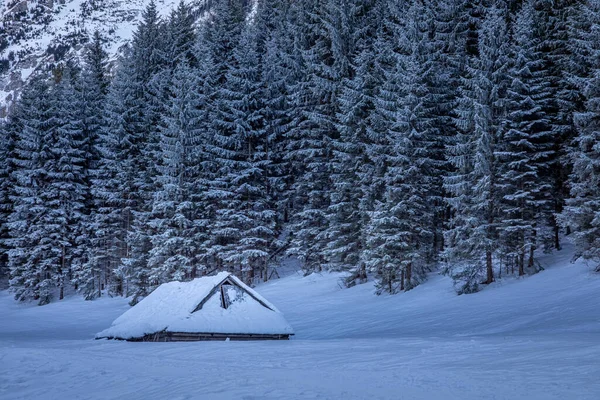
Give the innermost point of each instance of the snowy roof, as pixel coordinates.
(198, 307)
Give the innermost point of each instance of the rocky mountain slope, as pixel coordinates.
(36, 35)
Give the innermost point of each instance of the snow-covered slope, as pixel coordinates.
(562, 299)
(534, 338)
(39, 33)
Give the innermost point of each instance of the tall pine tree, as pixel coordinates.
(472, 237)
(582, 213)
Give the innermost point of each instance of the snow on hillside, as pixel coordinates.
(36, 38)
(534, 338)
(558, 301)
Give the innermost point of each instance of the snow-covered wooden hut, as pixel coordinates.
(217, 307)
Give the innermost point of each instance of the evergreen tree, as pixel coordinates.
(147, 62)
(131, 153)
(181, 36)
(30, 278)
(49, 192)
(176, 214)
(401, 230)
(472, 237)
(97, 230)
(388, 50)
(245, 216)
(447, 54)
(67, 193)
(175, 48)
(345, 216)
(6, 152)
(117, 191)
(279, 72)
(565, 95)
(582, 211)
(324, 63)
(525, 149)
(165, 225)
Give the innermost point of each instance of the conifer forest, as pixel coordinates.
(386, 138)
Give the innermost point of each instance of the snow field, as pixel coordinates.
(534, 338)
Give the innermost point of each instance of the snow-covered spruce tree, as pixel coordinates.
(99, 256)
(221, 34)
(401, 230)
(254, 180)
(324, 64)
(471, 239)
(29, 278)
(176, 212)
(68, 192)
(473, 14)
(579, 64)
(6, 151)
(214, 50)
(147, 61)
(447, 58)
(565, 97)
(441, 66)
(176, 47)
(387, 47)
(525, 150)
(279, 71)
(130, 144)
(206, 90)
(117, 188)
(173, 221)
(181, 36)
(49, 195)
(245, 216)
(582, 212)
(12, 131)
(353, 32)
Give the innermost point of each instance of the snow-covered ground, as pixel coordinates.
(535, 338)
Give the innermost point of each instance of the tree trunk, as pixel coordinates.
(489, 267)
(266, 271)
(530, 262)
(251, 276)
(401, 281)
(362, 274)
(522, 262)
(62, 271)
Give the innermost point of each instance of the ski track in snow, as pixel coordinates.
(534, 338)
